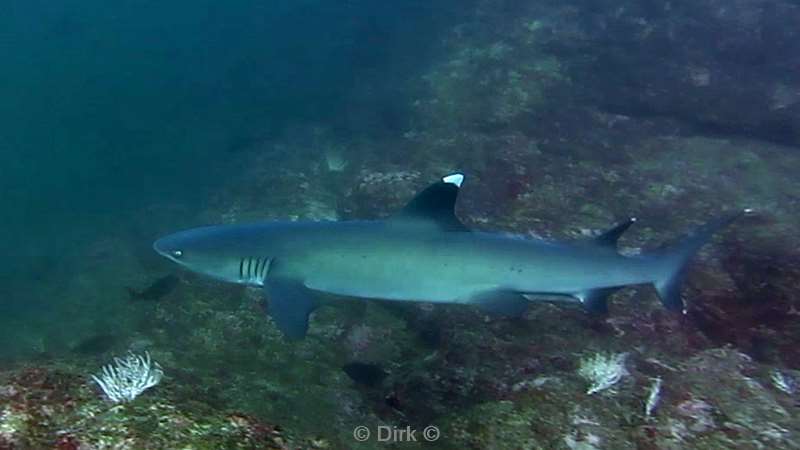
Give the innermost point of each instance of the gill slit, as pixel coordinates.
(255, 271)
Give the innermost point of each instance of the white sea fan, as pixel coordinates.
(603, 370)
(784, 382)
(653, 397)
(126, 378)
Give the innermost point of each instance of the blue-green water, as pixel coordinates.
(110, 108)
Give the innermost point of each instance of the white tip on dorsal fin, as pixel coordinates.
(455, 178)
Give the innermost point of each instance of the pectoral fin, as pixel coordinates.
(290, 304)
(507, 303)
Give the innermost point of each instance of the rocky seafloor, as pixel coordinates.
(552, 147)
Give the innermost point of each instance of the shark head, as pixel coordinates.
(202, 250)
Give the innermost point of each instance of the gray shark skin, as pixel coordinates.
(424, 253)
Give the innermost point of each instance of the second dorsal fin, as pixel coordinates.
(435, 204)
(610, 237)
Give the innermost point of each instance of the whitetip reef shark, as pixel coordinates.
(425, 253)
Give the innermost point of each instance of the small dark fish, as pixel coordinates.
(100, 343)
(367, 374)
(157, 290)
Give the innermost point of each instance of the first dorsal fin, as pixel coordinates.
(436, 204)
(610, 237)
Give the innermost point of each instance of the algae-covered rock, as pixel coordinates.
(48, 407)
(483, 82)
(722, 400)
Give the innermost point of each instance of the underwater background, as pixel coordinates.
(123, 121)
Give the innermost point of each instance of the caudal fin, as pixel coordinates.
(672, 262)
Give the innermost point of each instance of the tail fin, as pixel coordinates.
(673, 261)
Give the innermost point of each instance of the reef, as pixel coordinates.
(565, 117)
(48, 407)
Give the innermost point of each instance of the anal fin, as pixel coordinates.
(290, 304)
(596, 300)
(507, 303)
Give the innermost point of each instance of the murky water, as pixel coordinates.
(124, 122)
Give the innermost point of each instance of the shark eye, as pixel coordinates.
(177, 253)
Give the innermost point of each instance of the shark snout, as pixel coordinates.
(158, 247)
(166, 247)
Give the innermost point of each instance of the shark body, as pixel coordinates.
(424, 253)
